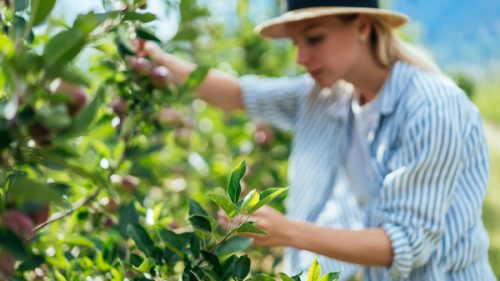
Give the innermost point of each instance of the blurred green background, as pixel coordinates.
(462, 36)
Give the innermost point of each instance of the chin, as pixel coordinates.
(325, 83)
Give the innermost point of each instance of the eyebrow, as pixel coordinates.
(311, 26)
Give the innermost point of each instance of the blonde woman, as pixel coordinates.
(389, 165)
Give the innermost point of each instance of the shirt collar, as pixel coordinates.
(397, 82)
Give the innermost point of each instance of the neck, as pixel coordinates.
(368, 77)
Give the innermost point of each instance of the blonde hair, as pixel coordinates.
(388, 48)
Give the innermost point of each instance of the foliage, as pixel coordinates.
(95, 165)
(491, 208)
(465, 83)
(488, 97)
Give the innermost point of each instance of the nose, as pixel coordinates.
(303, 55)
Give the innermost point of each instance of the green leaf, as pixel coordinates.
(128, 216)
(242, 267)
(31, 263)
(136, 260)
(59, 276)
(40, 9)
(123, 41)
(84, 118)
(233, 245)
(76, 240)
(332, 276)
(141, 238)
(228, 267)
(6, 139)
(285, 277)
(88, 22)
(314, 271)
(196, 209)
(22, 190)
(110, 251)
(21, 5)
(249, 227)
(187, 34)
(224, 203)
(197, 274)
(210, 275)
(55, 117)
(194, 243)
(9, 241)
(146, 265)
(147, 34)
(172, 241)
(75, 76)
(7, 49)
(250, 201)
(234, 188)
(63, 47)
(142, 17)
(213, 260)
(267, 196)
(201, 223)
(20, 25)
(194, 80)
(261, 277)
(66, 45)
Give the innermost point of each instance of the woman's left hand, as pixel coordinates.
(275, 224)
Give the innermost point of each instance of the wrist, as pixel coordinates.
(291, 233)
(180, 69)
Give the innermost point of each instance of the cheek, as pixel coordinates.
(340, 52)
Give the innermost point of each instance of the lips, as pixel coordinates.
(315, 73)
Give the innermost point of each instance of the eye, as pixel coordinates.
(314, 40)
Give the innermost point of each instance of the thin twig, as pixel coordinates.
(87, 199)
(61, 215)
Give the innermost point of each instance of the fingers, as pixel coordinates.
(264, 210)
(223, 219)
(258, 239)
(139, 47)
(145, 48)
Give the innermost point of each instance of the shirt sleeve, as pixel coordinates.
(419, 188)
(275, 100)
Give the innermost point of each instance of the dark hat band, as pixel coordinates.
(302, 4)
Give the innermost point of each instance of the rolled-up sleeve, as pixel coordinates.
(417, 191)
(275, 100)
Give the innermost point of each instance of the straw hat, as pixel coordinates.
(299, 10)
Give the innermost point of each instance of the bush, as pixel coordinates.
(95, 166)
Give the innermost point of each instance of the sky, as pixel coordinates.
(460, 33)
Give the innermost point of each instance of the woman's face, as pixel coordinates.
(327, 47)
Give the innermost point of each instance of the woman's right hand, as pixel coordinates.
(179, 68)
(148, 49)
(218, 89)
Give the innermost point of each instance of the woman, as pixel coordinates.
(374, 120)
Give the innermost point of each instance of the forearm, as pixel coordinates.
(218, 88)
(370, 247)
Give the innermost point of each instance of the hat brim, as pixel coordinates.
(276, 28)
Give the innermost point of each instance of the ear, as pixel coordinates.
(364, 24)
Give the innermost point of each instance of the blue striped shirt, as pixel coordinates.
(428, 159)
